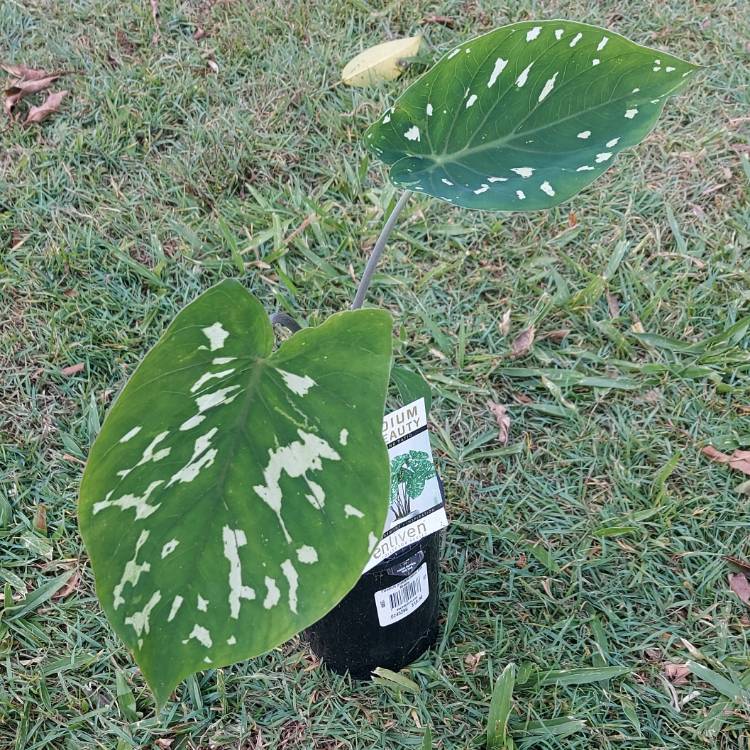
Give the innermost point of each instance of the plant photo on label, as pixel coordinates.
(237, 487)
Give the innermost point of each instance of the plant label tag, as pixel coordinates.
(417, 509)
(396, 602)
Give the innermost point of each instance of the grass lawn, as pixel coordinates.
(594, 537)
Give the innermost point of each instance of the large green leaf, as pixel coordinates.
(524, 117)
(233, 495)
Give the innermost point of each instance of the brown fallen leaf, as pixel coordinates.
(500, 412)
(557, 335)
(505, 323)
(40, 518)
(677, 674)
(741, 586)
(50, 105)
(572, 219)
(614, 305)
(738, 562)
(32, 86)
(24, 73)
(10, 102)
(739, 460)
(72, 369)
(472, 660)
(69, 587)
(199, 33)
(523, 342)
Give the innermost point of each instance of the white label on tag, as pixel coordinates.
(395, 602)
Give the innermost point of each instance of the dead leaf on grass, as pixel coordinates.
(738, 562)
(69, 587)
(472, 660)
(614, 305)
(40, 518)
(677, 674)
(383, 62)
(740, 585)
(449, 23)
(505, 323)
(557, 335)
(523, 342)
(739, 460)
(24, 73)
(199, 34)
(72, 369)
(50, 105)
(500, 412)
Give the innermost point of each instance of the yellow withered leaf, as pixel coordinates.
(381, 62)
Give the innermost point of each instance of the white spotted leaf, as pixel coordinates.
(524, 117)
(381, 62)
(234, 493)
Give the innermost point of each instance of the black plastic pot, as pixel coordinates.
(368, 628)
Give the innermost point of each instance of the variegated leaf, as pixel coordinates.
(524, 117)
(233, 494)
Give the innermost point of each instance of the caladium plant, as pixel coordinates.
(235, 492)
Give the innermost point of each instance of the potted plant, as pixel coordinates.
(237, 490)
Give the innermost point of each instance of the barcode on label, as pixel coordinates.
(396, 602)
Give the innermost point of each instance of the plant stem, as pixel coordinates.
(377, 251)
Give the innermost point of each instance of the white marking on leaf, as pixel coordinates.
(296, 459)
(386, 118)
(669, 68)
(273, 595)
(222, 360)
(201, 634)
(595, 61)
(613, 142)
(216, 335)
(635, 91)
(521, 195)
(584, 168)
(428, 109)
(631, 113)
(138, 502)
(216, 398)
(202, 604)
(132, 571)
(548, 87)
(203, 379)
(454, 53)
(176, 604)
(471, 100)
(131, 434)
(350, 510)
(343, 436)
(499, 68)
(169, 548)
(497, 179)
(292, 579)
(298, 384)
(231, 640)
(584, 134)
(233, 540)
(150, 455)
(559, 34)
(482, 189)
(412, 134)
(203, 457)
(523, 171)
(545, 187)
(524, 75)
(576, 39)
(307, 554)
(194, 421)
(603, 157)
(533, 33)
(602, 44)
(140, 620)
(447, 182)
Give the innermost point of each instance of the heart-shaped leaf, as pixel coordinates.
(524, 117)
(233, 495)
